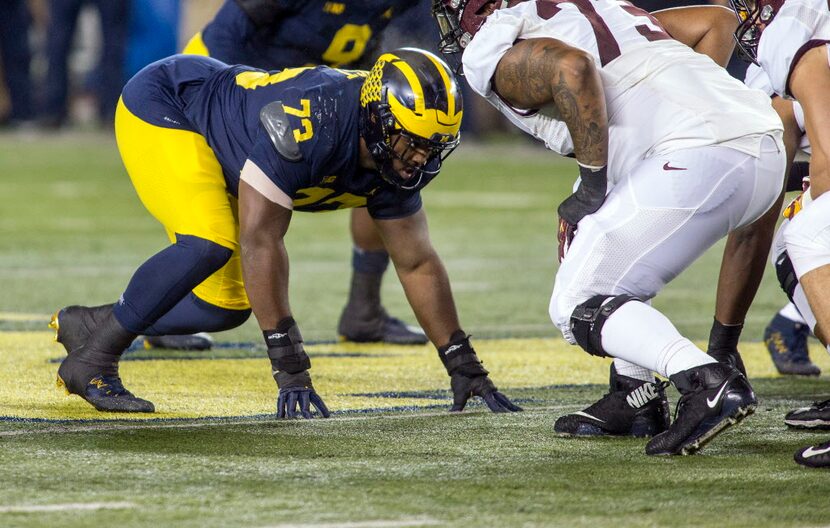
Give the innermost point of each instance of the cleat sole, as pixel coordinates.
(734, 419)
(808, 424)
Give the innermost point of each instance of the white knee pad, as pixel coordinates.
(807, 236)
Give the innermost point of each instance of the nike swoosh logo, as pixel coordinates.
(666, 167)
(275, 372)
(586, 415)
(811, 452)
(711, 402)
(451, 349)
(276, 335)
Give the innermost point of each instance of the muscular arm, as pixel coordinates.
(810, 85)
(262, 225)
(746, 251)
(422, 275)
(545, 71)
(706, 29)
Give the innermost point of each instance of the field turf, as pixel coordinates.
(72, 231)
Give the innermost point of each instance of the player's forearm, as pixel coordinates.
(427, 288)
(265, 271)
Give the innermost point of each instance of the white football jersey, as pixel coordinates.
(758, 79)
(661, 96)
(798, 26)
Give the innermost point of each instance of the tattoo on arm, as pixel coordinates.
(541, 72)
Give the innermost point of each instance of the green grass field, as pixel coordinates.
(72, 231)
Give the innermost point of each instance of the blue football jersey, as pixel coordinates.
(302, 32)
(222, 103)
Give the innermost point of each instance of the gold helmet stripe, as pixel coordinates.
(411, 78)
(442, 70)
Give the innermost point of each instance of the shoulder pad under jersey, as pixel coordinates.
(276, 123)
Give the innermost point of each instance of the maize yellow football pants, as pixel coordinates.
(180, 182)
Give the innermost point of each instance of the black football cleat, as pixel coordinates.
(713, 397)
(381, 329)
(786, 341)
(816, 416)
(631, 408)
(200, 341)
(731, 358)
(74, 324)
(99, 385)
(814, 456)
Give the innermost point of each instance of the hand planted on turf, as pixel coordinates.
(464, 388)
(296, 392)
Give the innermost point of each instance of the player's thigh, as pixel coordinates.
(178, 179)
(654, 224)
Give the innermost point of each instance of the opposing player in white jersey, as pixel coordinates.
(673, 154)
(790, 41)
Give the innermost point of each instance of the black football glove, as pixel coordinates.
(723, 345)
(289, 366)
(468, 377)
(587, 199)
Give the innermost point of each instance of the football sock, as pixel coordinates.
(792, 313)
(364, 293)
(166, 278)
(192, 315)
(369, 261)
(639, 334)
(624, 368)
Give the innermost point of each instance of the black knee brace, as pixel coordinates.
(589, 317)
(786, 274)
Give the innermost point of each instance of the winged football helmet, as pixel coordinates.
(410, 94)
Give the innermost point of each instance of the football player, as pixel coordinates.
(222, 156)
(277, 34)
(790, 42)
(673, 154)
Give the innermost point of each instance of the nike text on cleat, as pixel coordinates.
(713, 397)
(631, 408)
(814, 456)
(786, 342)
(816, 416)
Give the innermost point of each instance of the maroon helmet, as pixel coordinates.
(458, 21)
(754, 16)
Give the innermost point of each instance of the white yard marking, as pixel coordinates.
(63, 428)
(72, 506)
(391, 523)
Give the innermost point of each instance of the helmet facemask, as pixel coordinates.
(753, 16)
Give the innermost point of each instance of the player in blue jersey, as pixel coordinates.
(277, 34)
(221, 156)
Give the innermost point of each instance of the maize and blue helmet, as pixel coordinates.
(410, 94)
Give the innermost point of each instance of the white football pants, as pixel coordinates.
(652, 226)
